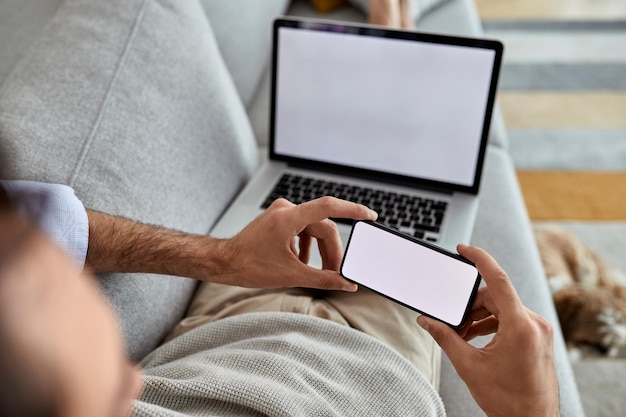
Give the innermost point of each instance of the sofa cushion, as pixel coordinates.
(130, 103)
(21, 23)
(243, 29)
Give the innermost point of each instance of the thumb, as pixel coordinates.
(457, 349)
(326, 279)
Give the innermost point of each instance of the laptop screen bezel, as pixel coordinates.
(376, 31)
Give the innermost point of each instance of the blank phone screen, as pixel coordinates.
(411, 273)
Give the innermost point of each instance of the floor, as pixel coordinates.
(552, 10)
(563, 98)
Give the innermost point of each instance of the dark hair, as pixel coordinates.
(27, 388)
(4, 200)
(3, 161)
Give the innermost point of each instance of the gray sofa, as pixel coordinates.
(157, 111)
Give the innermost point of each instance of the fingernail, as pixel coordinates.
(373, 214)
(350, 287)
(462, 246)
(422, 322)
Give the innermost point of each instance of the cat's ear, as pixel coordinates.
(552, 245)
(584, 263)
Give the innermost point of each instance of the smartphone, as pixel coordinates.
(416, 274)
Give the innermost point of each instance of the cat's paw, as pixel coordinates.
(612, 327)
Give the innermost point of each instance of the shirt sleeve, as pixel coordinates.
(57, 211)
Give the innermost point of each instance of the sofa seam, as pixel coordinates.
(87, 145)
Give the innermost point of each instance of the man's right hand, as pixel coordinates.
(515, 374)
(264, 253)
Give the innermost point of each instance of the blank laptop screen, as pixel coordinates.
(404, 107)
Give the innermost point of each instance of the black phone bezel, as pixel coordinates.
(428, 245)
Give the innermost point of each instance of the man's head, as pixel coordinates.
(61, 352)
(22, 378)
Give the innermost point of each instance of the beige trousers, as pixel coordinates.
(364, 310)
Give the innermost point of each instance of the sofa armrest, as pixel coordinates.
(131, 104)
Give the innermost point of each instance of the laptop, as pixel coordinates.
(395, 120)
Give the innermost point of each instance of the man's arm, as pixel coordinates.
(515, 374)
(121, 245)
(262, 255)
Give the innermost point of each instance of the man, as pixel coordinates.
(243, 351)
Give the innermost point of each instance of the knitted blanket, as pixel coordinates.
(281, 364)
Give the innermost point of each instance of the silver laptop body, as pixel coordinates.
(369, 108)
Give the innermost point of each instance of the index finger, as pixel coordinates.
(499, 286)
(324, 207)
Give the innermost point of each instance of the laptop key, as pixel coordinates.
(412, 215)
(418, 234)
(427, 228)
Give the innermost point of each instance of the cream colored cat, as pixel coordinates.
(590, 297)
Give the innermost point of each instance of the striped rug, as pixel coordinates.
(563, 98)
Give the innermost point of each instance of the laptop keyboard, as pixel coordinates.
(416, 216)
